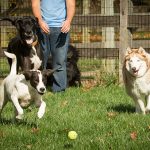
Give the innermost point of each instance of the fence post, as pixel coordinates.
(125, 36)
(86, 34)
(3, 29)
(108, 34)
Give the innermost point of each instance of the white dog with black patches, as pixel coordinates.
(24, 89)
(136, 73)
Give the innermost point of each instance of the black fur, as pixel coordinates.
(26, 27)
(73, 72)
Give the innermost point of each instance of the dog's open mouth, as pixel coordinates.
(30, 41)
(41, 93)
(135, 72)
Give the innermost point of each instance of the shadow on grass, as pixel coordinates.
(4, 121)
(122, 108)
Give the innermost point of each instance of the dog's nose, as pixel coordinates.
(134, 68)
(42, 89)
(28, 33)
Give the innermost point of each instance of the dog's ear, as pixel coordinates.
(27, 74)
(18, 23)
(15, 22)
(48, 72)
(34, 21)
(128, 51)
(141, 50)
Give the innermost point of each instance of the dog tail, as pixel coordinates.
(13, 70)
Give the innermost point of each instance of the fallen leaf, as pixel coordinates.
(29, 146)
(133, 135)
(149, 127)
(88, 85)
(2, 134)
(35, 130)
(64, 103)
(109, 134)
(111, 114)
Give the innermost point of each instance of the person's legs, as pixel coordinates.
(45, 45)
(59, 47)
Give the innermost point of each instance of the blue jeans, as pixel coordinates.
(56, 44)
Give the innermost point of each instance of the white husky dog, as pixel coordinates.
(136, 74)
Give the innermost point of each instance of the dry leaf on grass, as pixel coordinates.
(35, 130)
(149, 127)
(64, 103)
(111, 114)
(88, 85)
(133, 135)
(29, 146)
(2, 134)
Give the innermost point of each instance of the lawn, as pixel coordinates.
(102, 116)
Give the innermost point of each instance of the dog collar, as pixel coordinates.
(35, 42)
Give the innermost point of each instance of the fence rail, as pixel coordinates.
(117, 26)
(135, 20)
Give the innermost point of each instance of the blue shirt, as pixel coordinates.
(53, 12)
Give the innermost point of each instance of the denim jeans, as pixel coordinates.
(56, 44)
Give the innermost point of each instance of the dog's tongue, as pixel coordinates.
(135, 72)
(29, 41)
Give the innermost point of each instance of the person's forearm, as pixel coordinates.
(70, 9)
(36, 9)
(37, 13)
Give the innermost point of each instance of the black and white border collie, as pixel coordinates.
(24, 89)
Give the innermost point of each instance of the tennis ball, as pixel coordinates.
(72, 135)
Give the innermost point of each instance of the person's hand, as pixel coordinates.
(44, 26)
(65, 26)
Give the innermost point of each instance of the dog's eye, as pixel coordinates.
(131, 60)
(36, 80)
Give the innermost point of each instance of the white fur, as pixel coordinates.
(35, 60)
(40, 84)
(18, 90)
(136, 73)
(136, 66)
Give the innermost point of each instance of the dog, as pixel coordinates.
(24, 89)
(136, 75)
(29, 54)
(73, 72)
(25, 44)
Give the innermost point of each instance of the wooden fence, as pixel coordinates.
(104, 36)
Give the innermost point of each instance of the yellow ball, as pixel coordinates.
(72, 135)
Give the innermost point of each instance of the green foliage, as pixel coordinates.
(103, 117)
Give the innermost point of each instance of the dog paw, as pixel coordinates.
(19, 117)
(40, 114)
(147, 110)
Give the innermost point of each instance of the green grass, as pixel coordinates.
(90, 64)
(4, 67)
(103, 117)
